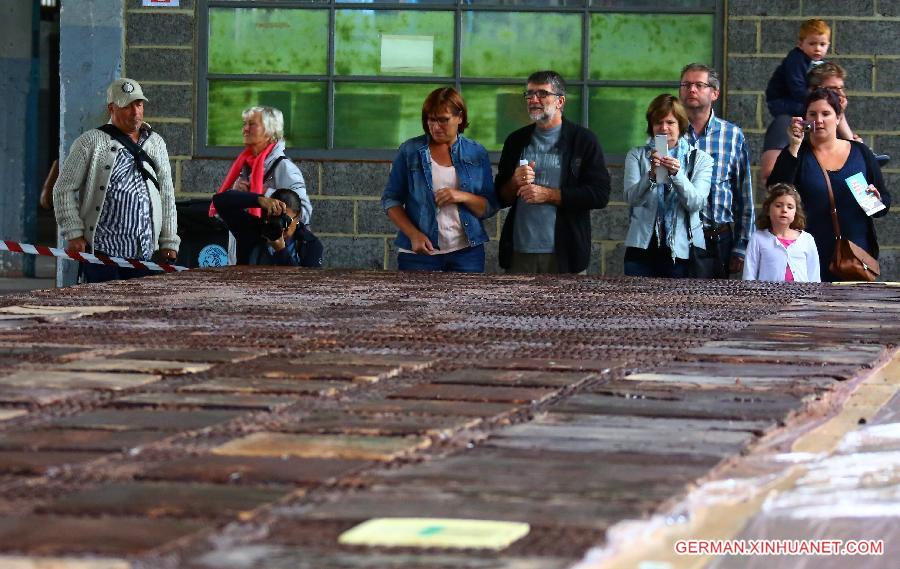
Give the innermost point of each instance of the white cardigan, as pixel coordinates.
(767, 258)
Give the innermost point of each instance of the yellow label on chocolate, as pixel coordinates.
(435, 532)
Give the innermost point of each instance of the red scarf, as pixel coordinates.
(257, 170)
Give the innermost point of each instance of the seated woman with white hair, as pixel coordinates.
(263, 166)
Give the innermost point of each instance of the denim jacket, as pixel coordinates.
(409, 185)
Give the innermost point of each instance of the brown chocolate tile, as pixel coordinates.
(552, 364)
(39, 396)
(133, 365)
(512, 378)
(252, 470)
(194, 356)
(475, 393)
(77, 439)
(321, 446)
(141, 419)
(30, 462)
(157, 500)
(53, 535)
(355, 359)
(344, 423)
(295, 386)
(44, 379)
(426, 407)
(207, 400)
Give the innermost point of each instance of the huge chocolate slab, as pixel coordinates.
(252, 470)
(321, 446)
(53, 535)
(475, 393)
(139, 419)
(155, 500)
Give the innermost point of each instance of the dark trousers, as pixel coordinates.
(91, 273)
(716, 258)
(654, 261)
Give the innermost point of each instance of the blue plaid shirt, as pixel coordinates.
(731, 193)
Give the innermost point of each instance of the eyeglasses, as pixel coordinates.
(541, 94)
(442, 121)
(700, 85)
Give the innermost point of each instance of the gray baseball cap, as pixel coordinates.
(122, 92)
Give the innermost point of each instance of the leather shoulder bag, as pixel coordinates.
(849, 261)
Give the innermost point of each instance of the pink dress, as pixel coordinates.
(788, 275)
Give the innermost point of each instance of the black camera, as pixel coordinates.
(274, 227)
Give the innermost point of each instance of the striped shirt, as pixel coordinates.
(731, 193)
(125, 228)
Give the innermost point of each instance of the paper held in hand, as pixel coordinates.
(859, 187)
(661, 142)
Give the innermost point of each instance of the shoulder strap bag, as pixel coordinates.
(849, 261)
(140, 155)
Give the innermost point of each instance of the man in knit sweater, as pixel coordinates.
(114, 194)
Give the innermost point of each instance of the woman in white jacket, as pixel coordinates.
(658, 244)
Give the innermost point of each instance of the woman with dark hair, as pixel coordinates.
(439, 191)
(658, 243)
(802, 164)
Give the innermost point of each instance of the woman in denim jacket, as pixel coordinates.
(439, 191)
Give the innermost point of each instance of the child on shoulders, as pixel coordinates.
(787, 89)
(780, 250)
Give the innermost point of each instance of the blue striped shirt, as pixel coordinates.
(125, 228)
(731, 193)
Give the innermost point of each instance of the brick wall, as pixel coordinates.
(161, 48)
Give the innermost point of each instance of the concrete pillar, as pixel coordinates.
(91, 50)
(18, 131)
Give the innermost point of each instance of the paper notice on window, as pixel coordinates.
(158, 3)
(859, 187)
(407, 54)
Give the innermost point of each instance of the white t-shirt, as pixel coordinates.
(451, 236)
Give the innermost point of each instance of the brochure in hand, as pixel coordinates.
(859, 187)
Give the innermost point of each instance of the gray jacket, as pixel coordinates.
(693, 193)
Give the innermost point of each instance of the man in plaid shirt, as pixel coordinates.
(728, 218)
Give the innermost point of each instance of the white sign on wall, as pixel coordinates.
(170, 3)
(407, 54)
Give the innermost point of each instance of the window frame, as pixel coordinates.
(459, 7)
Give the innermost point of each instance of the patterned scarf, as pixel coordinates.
(256, 164)
(667, 200)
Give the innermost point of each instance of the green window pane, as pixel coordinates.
(376, 115)
(516, 44)
(661, 5)
(497, 110)
(268, 40)
(393, 42)
(618, 116)
(303, 106)
(649, 47)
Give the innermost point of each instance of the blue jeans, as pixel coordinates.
(468, 260)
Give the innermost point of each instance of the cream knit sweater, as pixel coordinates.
(81, 188)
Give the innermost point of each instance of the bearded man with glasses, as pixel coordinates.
(551, 174)
(728, 216)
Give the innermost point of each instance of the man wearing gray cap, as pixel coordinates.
(114, 194)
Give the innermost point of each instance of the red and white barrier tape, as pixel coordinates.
(98, 259)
